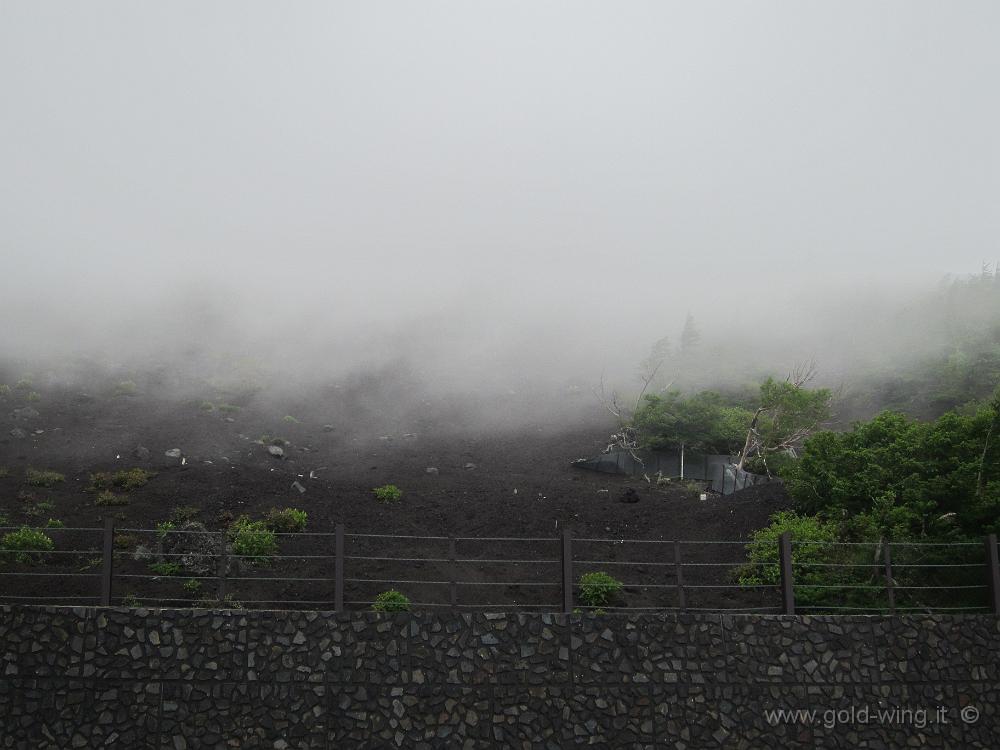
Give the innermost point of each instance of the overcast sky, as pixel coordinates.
(543, 166)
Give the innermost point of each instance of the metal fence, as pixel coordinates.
(339, 570)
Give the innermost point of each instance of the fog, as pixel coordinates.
(488, 192)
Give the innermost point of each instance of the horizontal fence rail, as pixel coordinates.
(339, 569)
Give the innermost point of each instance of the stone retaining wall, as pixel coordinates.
(147, 678)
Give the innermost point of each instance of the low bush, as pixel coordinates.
(192, 586)
(125, 479)
(54, 523)
(4, 390)
(24, 384)
(164, 527)
(290, 419)
(253, 540)
(42, 478)
(166, 568)
(26, 542)
(183, 513)
(596, 589)
(388, 493)
(107, 497)
(34, 397)
(206, 406)
(287, 521)
(391, 601)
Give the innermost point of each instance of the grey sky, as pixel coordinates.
(536, 165)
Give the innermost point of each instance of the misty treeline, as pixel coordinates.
(924, 468)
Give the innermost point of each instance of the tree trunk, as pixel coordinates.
(682, 460)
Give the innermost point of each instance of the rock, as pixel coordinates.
(432, 470)
(630, 496)
(141, 453)
(276, 451)
(469, 466)
(25, 412)
(18, 433)
(173, 453)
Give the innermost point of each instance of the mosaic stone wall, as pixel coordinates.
(177, 679)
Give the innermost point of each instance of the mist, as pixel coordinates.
(488, 196)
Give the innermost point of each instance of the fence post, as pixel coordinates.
(107, 569)
(567, 571)
(338, 568)
(787, 579)
(223, 567)
(452, 588)
(887, 556)
(993, 561)
(681, 601)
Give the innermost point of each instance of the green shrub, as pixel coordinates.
(192, 586)
(388, 493)
(107, 497)
(130, 600)
(164, 527)
(4, 390)
(596, 589)
(4, 472)
(41, 478)
(183, 513)
(25, 541)
(206, 406)
(290, 419)
(125, 479)
(166, 568)
(287, 521)
(34, 397)
(24, 384)
(126, 388)
(253, 540)
(39, 509)
(228, 408)
(391, 601)
(54, 523)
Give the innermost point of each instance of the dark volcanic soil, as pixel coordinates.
(341, 446)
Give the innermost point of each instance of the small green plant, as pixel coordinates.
(166, 568)
(206, 406)
(125, 479)
(107, 497)
(34, 397)
(131, 600)
(4, 519)
(43, 478)
(287, 521)
(54, 523)
(4, 472)
(126, 388)
(125, 541)
(4, 390)
(36, 509)
(253, 540)
(27, 542)
(24, 384)
(388, 493)
(183, 513)
(228, 408)
(290, 419)
(596, 589)
(192, 586)
(391, 601)
(163, 528)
